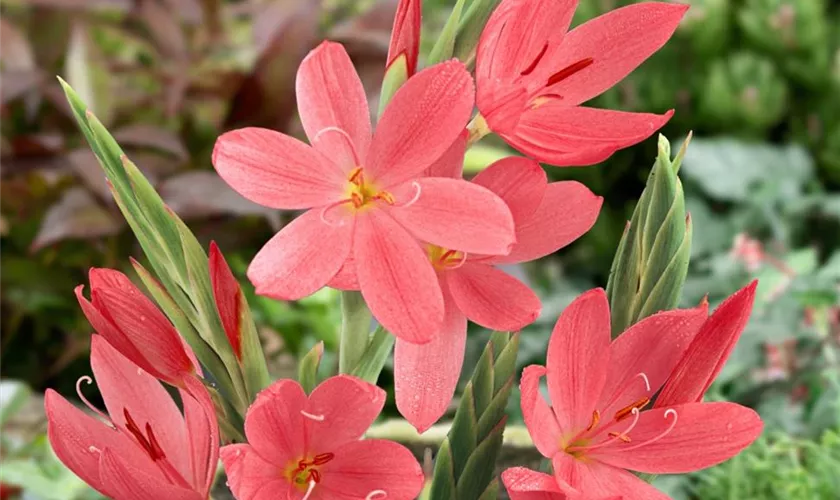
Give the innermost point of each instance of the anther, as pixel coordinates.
(376, 494)
(620, 436)
(627, 410)
(87, 403)
(596, 418)
(154, 447)
(317, 418)
(322, 458)
(357, 176)
(568, 71)
(669, 411)
(531, 67)
(386, 197)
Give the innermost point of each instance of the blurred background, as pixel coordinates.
(758, 81)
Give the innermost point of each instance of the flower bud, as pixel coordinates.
(651, 262)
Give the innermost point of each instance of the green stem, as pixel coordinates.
(355, 331)
(374, 358)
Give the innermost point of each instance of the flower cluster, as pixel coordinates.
(387, 212)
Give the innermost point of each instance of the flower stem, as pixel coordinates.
(355, 330)
(375, 356)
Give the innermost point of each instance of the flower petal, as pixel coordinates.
(577, 360)
(302, 257)
(517, 37)
(126, 482)
(252, 478)
(560, 135)
(456, 214)
(115, 336)
(274, 422)
(520, 182)
(396, 278)
(228, 297)
(706, 355)
(705, 434)
(492, 298)
(567, 211)
(202, 432)
(333, 106)
(346, 279)
(451, 164)
(363, 467)
(425, 376)
(651, 347)
(144, 326)
(405, 34)
(127, 388)
(78, 439)
(276, 170)
(340, 410)
(538, 416)
(526, 484)
(616, 42)
(404, 143)
(601, 481)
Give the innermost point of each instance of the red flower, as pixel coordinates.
(547, 217)
(405, 35)
(596, 428)
(705, 357)
(367, 198)
(145, 447)
(309, 447)
(532, 76)
(131, 323)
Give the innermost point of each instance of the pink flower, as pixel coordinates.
(595, 428)
(366, 196)
(228, 297)
(405, 35)
(532, 76)
(145, 448)
(309, 447)
(131, 323)
(704, 359)
(547, 217)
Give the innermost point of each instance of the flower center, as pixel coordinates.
(443, 259)
(600, 432)
(305, 473)
(149, 443)
(362, 193)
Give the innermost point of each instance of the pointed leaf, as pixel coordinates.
(308, 367)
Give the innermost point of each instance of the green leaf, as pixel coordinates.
(374, 358)
(443, 481)
(472, 24)
(492, 491)
(445, 45)
(475, 437)
(355, 331)
(200, 291)
(480, 467)
(206, 356)
(308, 367)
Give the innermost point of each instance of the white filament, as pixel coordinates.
(317, 418)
